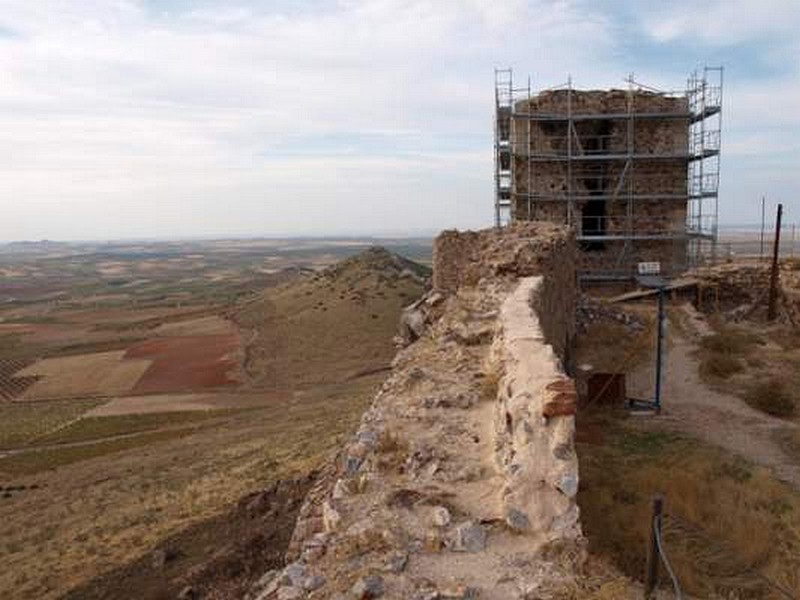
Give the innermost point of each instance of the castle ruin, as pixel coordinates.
(634, 172)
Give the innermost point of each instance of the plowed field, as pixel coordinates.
(186, 363)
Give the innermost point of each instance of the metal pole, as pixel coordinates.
(659, 348)
(761, 251)
(651, 571)
(772, 307)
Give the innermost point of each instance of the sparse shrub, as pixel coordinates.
(790, 442)
(737, 469)
(719, 366)
(793, 264)
(722, 353)
(730, 341)
(787, 338)
(773, 397)
(489, 384)
(391, 451)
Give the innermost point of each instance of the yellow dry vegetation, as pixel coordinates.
(124, 496)
(84, 375)
(330, 327)
(210, 325)
(730, 525)
(155, 403)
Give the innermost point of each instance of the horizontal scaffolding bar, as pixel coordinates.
(611, 157)
(602, 116)
(632, 237)
(621, 197)
(709, 111)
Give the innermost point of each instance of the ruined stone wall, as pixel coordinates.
(466, 455)
(534, 420)
(526, 248)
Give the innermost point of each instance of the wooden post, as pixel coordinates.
(772, 307)
(763, 215)
(651, 571)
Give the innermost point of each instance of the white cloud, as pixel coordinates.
(349, 115)
(721, 22)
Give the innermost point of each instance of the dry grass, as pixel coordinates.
(790, 442)
(720, 366)
(109, 502)
(730, 341)
(613, 357)
(489, 385)
(759, 366)
(117, 499)
(102, 373)
(787, 338)
(723, 353)
(597, 581)
(391, 451)
(772, 396)
(727, 519)
(793, 264)
(38, 461)
(97, 428)
(326, 327)
(22, 422)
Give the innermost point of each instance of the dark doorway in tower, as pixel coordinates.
(594, 223)
(597, 140)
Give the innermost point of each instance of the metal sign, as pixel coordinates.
(649, 268)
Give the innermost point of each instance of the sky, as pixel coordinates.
(187, 118)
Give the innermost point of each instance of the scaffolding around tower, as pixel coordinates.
(634, 171)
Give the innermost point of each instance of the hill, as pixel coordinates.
(330, 326)
(314, 348)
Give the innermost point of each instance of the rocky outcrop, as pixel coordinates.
(461, 479)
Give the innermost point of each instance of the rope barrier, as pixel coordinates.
(664, 559)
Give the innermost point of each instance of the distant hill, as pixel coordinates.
(33, 247)
(330, 326)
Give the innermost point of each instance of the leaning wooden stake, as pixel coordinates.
(651, 572)
(772, 307)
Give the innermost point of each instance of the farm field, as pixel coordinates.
(146, 387)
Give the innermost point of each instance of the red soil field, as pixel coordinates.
(185, 363)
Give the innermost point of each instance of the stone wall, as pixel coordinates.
(534, 419)
(465, 457)
(525, 248)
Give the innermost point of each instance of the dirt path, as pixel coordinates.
(721, 419)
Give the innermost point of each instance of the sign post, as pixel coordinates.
(650, 277)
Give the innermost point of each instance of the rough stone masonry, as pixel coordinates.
(461, 479)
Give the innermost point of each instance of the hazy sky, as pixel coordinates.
(126, 118)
